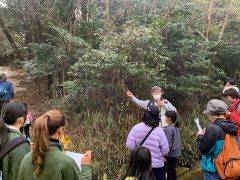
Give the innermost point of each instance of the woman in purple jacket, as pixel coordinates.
(156, 142)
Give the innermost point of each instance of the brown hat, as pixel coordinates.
(2, 75)
(215, 107)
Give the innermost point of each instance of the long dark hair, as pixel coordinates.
(45, 126)
(149, 120)
(173, 116)
(140, 164)
(9, 115)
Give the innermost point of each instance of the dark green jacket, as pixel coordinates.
(12, 161)
(57, 166)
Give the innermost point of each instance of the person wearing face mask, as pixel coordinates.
(210, 140)
(157, 100)
(12, 118)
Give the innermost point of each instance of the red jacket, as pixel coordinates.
(235, 116)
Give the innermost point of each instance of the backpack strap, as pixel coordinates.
(150, 102)
(236, 106)
(12, 145)
(147, 136)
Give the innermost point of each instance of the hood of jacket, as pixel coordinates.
(227, 125)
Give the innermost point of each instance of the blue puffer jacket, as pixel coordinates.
(10, 91)
(210, 144)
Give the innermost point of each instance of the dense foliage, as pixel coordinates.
(92, 51)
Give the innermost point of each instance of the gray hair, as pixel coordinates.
(156, 88)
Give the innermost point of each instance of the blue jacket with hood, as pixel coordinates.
(210, 144)
(10, 91)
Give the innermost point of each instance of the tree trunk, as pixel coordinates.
(236, 72)
(209, 17)
(40, 30)
(107, 13)
(10, 39)
(224, 24)
(225, 21)
(84, 9)
(49, 81)
(39, 34)
(28, 39)
(221, 33)
(129, 10)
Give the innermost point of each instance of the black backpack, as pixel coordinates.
(151, 102)
(8, 148)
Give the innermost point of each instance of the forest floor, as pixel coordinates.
(32, 93)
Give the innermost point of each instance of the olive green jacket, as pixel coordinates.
(11, 162)
(57, 166)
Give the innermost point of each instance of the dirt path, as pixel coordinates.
(27, 91)
(12, 74)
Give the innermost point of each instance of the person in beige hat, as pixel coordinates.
(210, 140)
(6, 91)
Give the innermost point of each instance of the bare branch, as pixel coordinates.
(209, 17)
(225, 20)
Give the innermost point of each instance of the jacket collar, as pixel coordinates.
(11, 127)
(55, 146)
(15, 130)
(54, 140)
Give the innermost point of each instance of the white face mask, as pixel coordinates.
(226, 88)
(156, 97)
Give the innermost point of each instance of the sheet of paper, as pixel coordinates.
(76, 157)
(198, 126)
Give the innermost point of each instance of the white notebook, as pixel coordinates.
(77, 157)
(198, 125)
